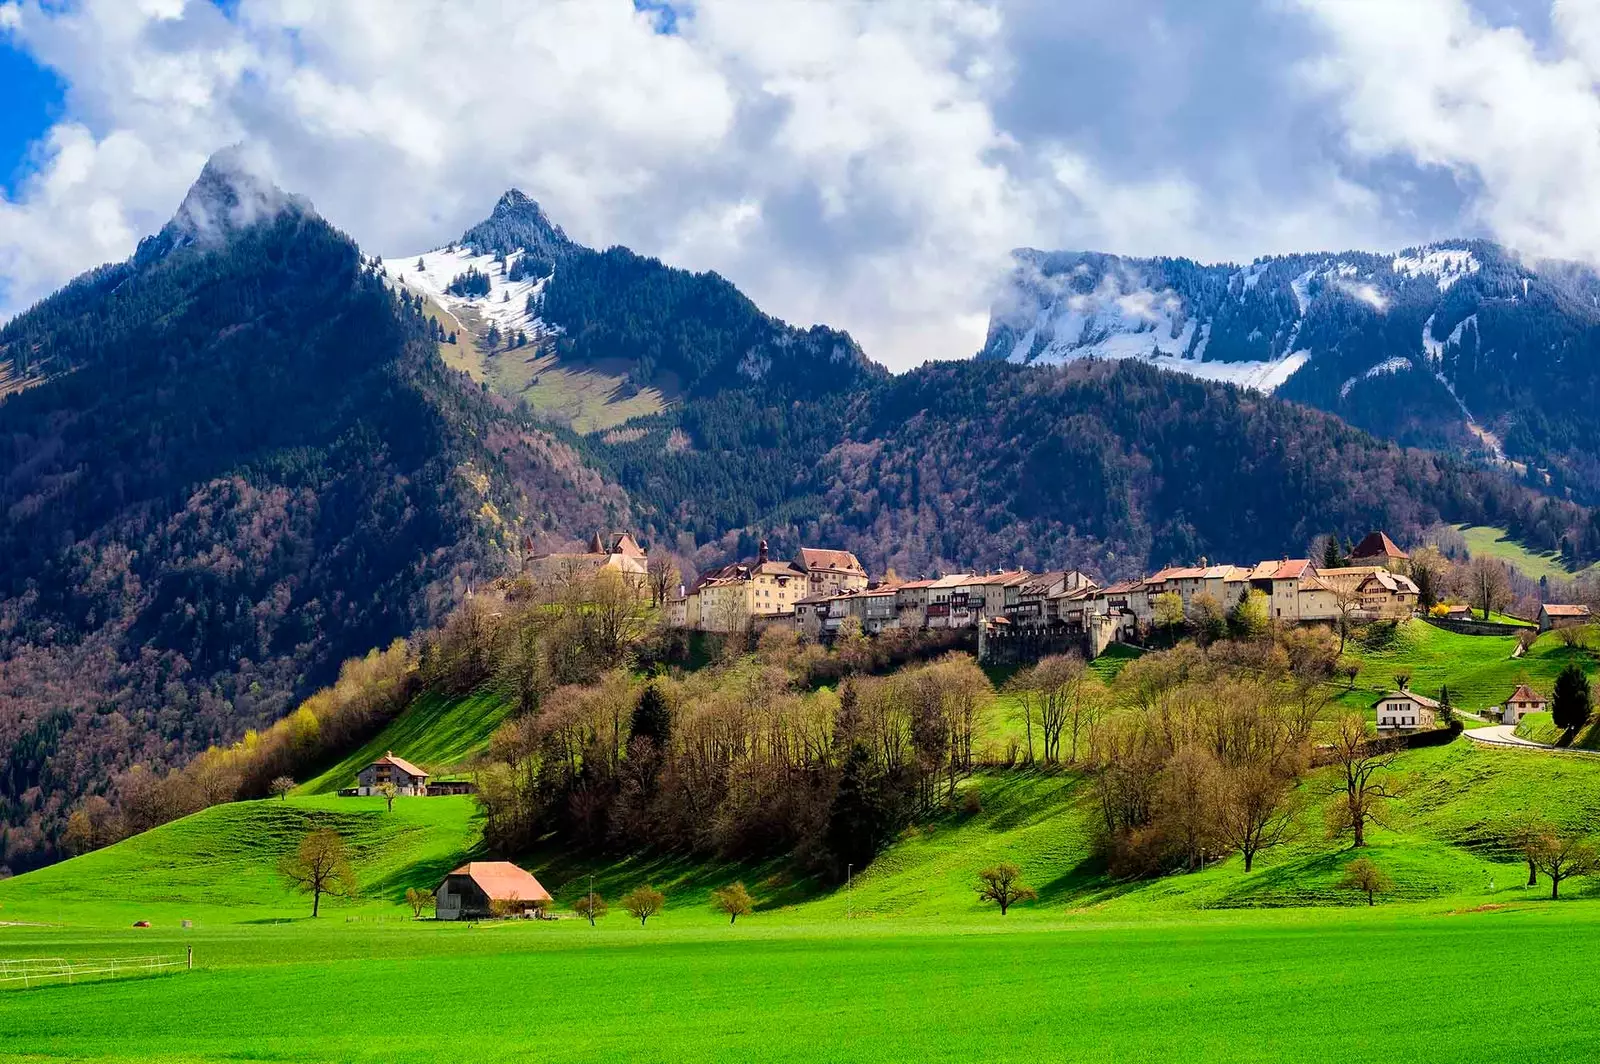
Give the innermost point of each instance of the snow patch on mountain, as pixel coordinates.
(1444, 265)
(506, 305)
(1396, 364)
(1433, 348)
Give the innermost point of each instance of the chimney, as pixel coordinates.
(762, 555)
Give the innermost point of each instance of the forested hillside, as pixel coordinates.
(246, 464)
(1115, 467)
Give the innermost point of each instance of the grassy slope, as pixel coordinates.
(220, 864)
(436, 733)
(1484, 539)
(1094, 971)
(1479, 669)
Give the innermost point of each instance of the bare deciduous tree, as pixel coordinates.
(388, 792)
(1254, 812)
(1361, 790)
(1361, 874)
(1003, 885)
(1563, 855)
(643, 902)
(734, 900)
(320, 865)
(1487, 584)
(418, 900)
(661, 574)
(281, 786)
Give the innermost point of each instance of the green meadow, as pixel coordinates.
(1277, 964)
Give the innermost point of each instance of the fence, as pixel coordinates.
(39, 971)
(1477, 627)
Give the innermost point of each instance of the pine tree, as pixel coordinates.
(858, 821)
(1330, 553)
(651, 718)
(1571, 705)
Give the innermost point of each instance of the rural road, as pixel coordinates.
(1504, 735)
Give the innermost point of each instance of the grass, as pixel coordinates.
(907, 964)
(436, 733)
(1479, 670)
(1497, 543)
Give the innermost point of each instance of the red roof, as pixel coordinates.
(400, 763)
(1377, 545)
(1292, 569)
(1566, 611)
(821, 558)
(1524, 693)
(503, 881)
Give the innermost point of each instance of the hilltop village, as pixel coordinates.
(821, 592)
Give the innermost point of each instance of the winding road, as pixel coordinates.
(1505, 735)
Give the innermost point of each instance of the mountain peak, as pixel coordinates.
(518, 222)
(233, 192)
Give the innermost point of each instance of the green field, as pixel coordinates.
(1479, 670)
(1494, 542)
(1279, 964)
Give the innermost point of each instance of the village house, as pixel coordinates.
(1523, 700)
(831, 571)
(949, 601)
(1388, 596)
(911, 603)
(408, 779)
(471, 891)
(733, 597)
(616, 551)
(1405, 711)
(809, 615)
(1377, 549)
(1552, 616)
(874, 608)
(1028, 605)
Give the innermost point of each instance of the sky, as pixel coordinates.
(868, 165)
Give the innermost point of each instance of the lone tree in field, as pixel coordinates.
(1572, 704)
(1002, 885)
(1255, 811)
(320, 865)
(1359, 790)
(281, 786)
(389, 792)
(1488, 585)
(643, 902)
(1563, 856)
(591, 907)
(418, 900)
(1361, 874)
(1528, 838)
(733, 900)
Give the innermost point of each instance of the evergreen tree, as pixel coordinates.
(1330, 553)
(651, 718)
(858, 820)
(1571, 706)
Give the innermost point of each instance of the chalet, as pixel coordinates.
(1405, 711)
(471, 890)
(1387, 596)
(1523, 700)
(616, 551)
(1377, 549)
(830, 571)
(1552, 616)
(407, 778)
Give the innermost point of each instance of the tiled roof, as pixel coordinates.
(821, 558)
(1566, 611)
(503, 881)
(1524, 693)
(400, 763)
(1421, 700)
(1377, 545)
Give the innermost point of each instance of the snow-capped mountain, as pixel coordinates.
(1458, 344)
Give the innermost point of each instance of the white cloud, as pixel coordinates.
(1517, 122)
(841, 162)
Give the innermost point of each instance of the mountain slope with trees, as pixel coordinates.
(245, 464)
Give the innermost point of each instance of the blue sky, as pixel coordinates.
(866, 165)
(33, 98)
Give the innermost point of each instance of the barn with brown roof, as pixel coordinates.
(470, 891)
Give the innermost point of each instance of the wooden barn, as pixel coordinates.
(470, 891)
